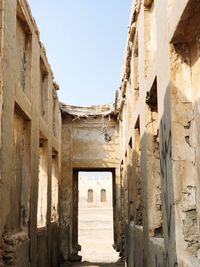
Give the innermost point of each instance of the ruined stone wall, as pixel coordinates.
(89, 142)
(151, 148)
(30, 128)
(160, 147)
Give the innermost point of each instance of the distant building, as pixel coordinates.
(95, 191)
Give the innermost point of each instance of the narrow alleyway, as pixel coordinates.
(147, 140)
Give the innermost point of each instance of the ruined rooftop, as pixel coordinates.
(87, 111)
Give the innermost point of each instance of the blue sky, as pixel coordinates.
(85, 42)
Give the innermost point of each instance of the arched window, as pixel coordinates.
(90, 195)
(103, 195)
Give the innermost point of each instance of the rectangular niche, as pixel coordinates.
(20, 197)
(43, 89)
(55, 114)
(135, 72)
(154, 191)
(42, 184)
(138, 179)
(149, 34)
(23, 53)
(54, 187)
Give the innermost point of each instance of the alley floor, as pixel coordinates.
(96, 239)
(89, 264)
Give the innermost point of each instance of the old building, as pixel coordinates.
(148, 140)
(30, 143)
(90, 140)
(95, 191)
(159, 99)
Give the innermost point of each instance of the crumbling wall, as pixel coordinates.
(149, 35)
(162, 61)
(193, 192)
(23, 55)
(22, 125)
(156, 141)
(42, 185)
(183, 152)
(137, 176)
(89, 142)
(1, 59)
(155, 218)
(185, 68)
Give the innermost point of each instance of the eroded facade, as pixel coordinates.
(148, 140)
(90, 140)
(30, 143)
(159, 152)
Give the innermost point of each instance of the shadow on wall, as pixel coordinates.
(179, 143)
(150, 232)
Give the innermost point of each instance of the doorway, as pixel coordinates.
(94, 214)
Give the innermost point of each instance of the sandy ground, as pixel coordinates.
(96, 239)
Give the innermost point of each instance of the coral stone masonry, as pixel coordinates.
(148, 141)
